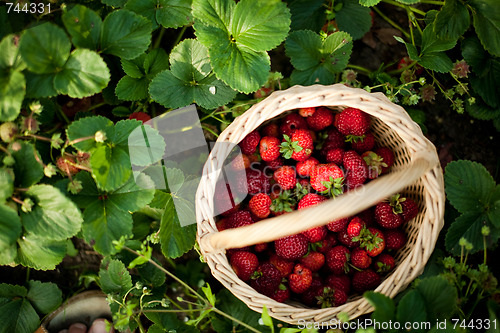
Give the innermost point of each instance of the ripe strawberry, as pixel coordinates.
(304, 167)
(375, 164)
(141, 116)
(298, 147)
(239, 219)
(285, 177)
(282, 294)
(310, 199)
(67, 165)
(261, 247)
(249, 143)
(363, 143)
(410, 209)
(326, 244)
(300, 280)
(221, 224)
(240, 163)
(345, 239)
(224, 200)
(257, 181)
(395, 239)
(316, 234)
(337, 258)
(334, 139)
(291, 123)
(341, 282)
(387, 157)
(388, 215)
(273, 165)
(291, 247)
(328, 297)
(372, 240)
(327, 179)
(383, 263)
(269, 148)
(365, 280)
(338, 225)
(260, 205)
(320, 119)
(360, 258)
(352, 122)
(313, 260)
(356, 169)
(335, 156)
(271, 129)
(285, 266)
(244, 264)
(368, 216)
(355, 226)
(308, 297)
(307, 112)
(266, 279)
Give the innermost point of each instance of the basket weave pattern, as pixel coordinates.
(416, 172)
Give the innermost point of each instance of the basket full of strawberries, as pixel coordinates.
(336, 192)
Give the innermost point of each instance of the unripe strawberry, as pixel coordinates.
(8, 131)
(67, 165)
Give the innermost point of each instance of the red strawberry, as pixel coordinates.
(320, 119)
(282, 294)
(395, 239)
(372, 240)
(271, 129)
(298, 147)
(410, 209)
(221, 224)
(240, 162)
(266, 279)
(309, 296)
(365, 280)
(285, 177)
(356, 169)
(375, 164)
(269, 148)
(347, 240)
(292, 122)
(341, 282)
(273, 165)
(249, 143)
(363, 143)
(307, 112)
(225, 202)
(244, 264)
(355, 226)
(260, 205)
(239, 219)
(352, 122)
(263, 92)
(304, 167)
(313, 260)
(316, 234)
(387, 157)
(368, 216)
(335, 156)
(388, 215)
(285, 266)
(67, 165)
(337, 258)
(328, 297)
(142, 116)
(338, 225)
(326, 244)
(300, 280)
(327, 179)
(261, 247)
(310, 199)
(334, 139)
(360, 258)
(291, 247)
(384, 263)
(257, 181)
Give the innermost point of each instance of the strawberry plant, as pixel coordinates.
(89, 199)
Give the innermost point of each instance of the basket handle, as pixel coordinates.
(343, 206)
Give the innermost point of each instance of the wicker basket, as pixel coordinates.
(416, 172)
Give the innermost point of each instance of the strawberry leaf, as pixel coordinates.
(12, 92)
(486, 20)
(18, 315)
(44, 296)
(168, 13)
(452, 20)
(40, 253)
(130, 89)
(27, 169)
(411, 308)
(84, 26)
(384, 306)
(353, 18)
(439, 295)
(307, 14)
(10, 231)
(114, 277)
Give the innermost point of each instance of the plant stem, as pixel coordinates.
(432, 2)
(209, 130)
(360, 69)
(98, 105)
(222, 313)
(175, 311)
(158, 39)
(179, 36)
(34, 136)
(391, 22)
(397, 4)
(63, 115)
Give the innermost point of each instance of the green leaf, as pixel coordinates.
(168, 13)
(452, 20)
(17, 316)
(146, 146)
(440, 297)
(114, 3)
(45, 48)
(482, 111)
(12, 291)
(85, 74)
(40, 253)
(134, 67)
(266, 318)
(431, 43)
(40, 85)
(468, 186)
(307, 14)
(86, 128)
(494, 209)
(315, 60)
(130, 89)
(84, 26)
(486, 19)
(176, 240)
(468, 226)
(54, 216)
(27, 169)
(369, 3)
(10, 57)
(214, 13)
(228, 303)
(354, 19)
(435, 61)
(408, 2)
(12, 90)
(493, 314)
(44, 296)
(411, 309)
(125, 34)
(10, 231)
(155, 62)
(208, 294)
(6, 184)
(114, 277)
(384, 306)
